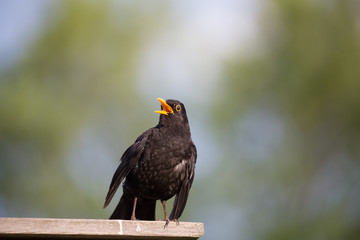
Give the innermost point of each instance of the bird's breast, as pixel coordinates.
(162, 168)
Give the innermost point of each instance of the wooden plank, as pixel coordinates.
(50, 228)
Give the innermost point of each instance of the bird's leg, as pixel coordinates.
(166, 219)
(164, 207)
(134, 208)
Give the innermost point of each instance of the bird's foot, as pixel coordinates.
(133, 218)
(167, 220)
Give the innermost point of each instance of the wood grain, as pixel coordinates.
(50, 228)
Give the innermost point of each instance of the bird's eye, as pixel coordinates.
(178, 108)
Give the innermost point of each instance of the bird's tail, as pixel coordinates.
(145, 208)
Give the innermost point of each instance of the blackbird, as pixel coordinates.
(157, 166)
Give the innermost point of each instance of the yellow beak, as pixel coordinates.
(166, 109)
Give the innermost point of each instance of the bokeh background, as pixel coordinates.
(271, 90)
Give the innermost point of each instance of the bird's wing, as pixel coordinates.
(128, 161)
(182, 196)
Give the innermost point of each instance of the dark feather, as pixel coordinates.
(159, 165)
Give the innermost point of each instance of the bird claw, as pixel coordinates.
(168, 220)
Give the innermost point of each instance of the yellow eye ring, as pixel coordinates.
(178, 108)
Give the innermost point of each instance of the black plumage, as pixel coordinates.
(157, 166)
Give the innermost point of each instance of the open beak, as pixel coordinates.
(166, 109)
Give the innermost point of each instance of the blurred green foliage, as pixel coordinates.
(305, 83)
(78, 73)
(286, 122)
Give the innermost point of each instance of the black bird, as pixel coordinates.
(158, 165)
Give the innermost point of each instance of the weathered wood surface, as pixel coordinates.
(50, 228)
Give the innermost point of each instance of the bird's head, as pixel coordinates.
(172, 113)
